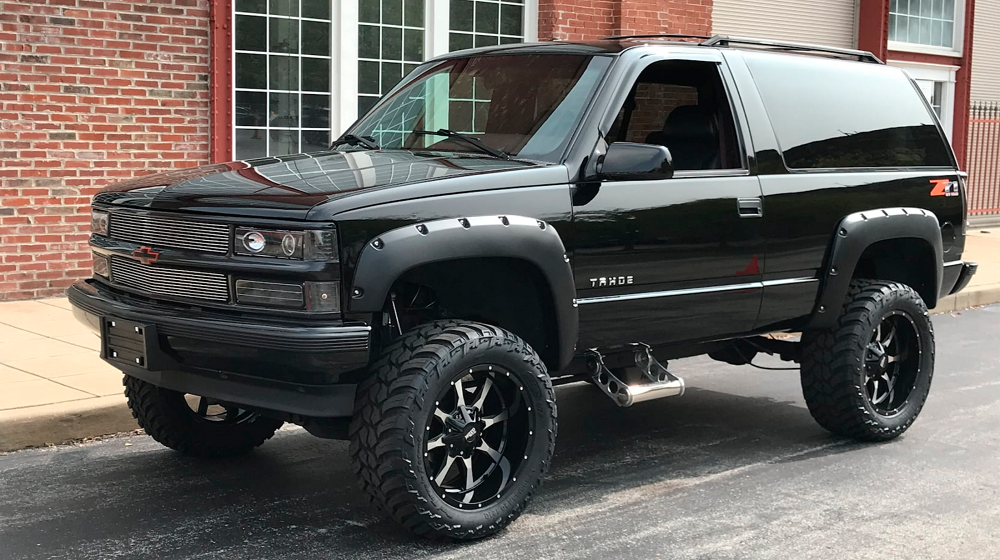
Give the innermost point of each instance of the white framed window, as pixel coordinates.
(304, 70)
(927, 26)
(937, 82)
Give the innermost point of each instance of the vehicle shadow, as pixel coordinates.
(296, 496)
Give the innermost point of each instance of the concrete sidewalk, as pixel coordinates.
(55, 388)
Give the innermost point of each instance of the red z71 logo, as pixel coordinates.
(944, 187)
(146, 255)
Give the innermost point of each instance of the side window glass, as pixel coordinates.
(833, 114)
(681, 105)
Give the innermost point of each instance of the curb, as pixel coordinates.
(969, 297)
(62, 422)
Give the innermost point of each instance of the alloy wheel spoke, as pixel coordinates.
(483, 392)
(445, 469)
(202, 406)
(888, 337)
(493, 453)
(460, 393)
(496, 418)
(470, 482)
(440, 414)
(435, 442)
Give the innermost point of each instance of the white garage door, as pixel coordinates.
(823, 22)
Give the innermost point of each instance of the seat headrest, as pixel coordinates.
(691, 122)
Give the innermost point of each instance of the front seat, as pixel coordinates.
(691, 133)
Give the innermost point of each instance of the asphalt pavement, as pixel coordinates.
(735, 468)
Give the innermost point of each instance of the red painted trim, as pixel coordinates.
(963, 90)
(873, 27)
(221, 81)
(923, 58)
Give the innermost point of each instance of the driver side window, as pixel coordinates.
(682, 105)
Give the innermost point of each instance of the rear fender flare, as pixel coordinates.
(854, 235)
(388, 256)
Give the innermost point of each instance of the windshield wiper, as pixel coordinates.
(470, 140)
(352, 140)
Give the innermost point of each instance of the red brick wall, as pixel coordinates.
(591, 19)
(91, 92)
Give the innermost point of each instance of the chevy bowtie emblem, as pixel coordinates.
(146, 255)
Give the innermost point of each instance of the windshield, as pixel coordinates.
(526, 106)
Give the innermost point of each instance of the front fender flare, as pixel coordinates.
(388, 256)
(857, 232)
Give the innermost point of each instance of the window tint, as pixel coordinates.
(681, 105)
(839, 114)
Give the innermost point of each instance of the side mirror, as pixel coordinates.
(628, 161)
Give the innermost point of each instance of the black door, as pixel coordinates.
(669, 261)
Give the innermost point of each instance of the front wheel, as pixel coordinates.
(869, 376)
(196, 426)
(454, 429)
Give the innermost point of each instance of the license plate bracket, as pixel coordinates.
(124, 341)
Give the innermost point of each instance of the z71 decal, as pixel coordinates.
(944, 187)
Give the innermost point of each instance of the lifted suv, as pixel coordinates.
(517, 217)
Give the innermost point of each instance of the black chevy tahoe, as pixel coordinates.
(517, 217)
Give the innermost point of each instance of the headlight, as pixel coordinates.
(312, 245)
(99, 222)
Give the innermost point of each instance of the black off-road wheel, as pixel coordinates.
(196, 426)
(868, 377)
(454, 429)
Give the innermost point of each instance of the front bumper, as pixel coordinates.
(296, 368)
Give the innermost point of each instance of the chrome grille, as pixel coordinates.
(155, 281)
(169, 232)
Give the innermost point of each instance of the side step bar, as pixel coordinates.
(653, 380)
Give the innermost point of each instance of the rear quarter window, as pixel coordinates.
(843, 114)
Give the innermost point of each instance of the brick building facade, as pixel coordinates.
(94, 91)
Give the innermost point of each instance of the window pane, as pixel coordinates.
(461, 15)
(250, 71)
(255, 6)
(283, 142)
(511, 20)
(284, 72)
(392, 12)
(315, 140)
(368, 77)
(487, 17)
(365, 104)
(368, 41)
(948, 35)
(413, 49)
(413, 15)
(392, 72)
(316, 38)
(392, 43)
(459, 41)
(250, 33)
(368, 11)
(284, 7)
(316, 111)
(283, 110)
(460, 116)
(316, 74)
(251, 108)
(284, 36)
(871, 115)
(487, 40)
(318, 9)
(251, 144)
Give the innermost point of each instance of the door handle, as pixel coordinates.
(750, 207)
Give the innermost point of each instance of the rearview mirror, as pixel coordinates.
(628, 161)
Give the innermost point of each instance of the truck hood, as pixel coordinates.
(290, 187)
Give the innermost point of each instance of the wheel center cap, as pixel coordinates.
(471, 433)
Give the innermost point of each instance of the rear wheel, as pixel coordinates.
(869, 376)
(454, 429)
(195, 425)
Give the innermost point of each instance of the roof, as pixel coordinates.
(616, 45)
